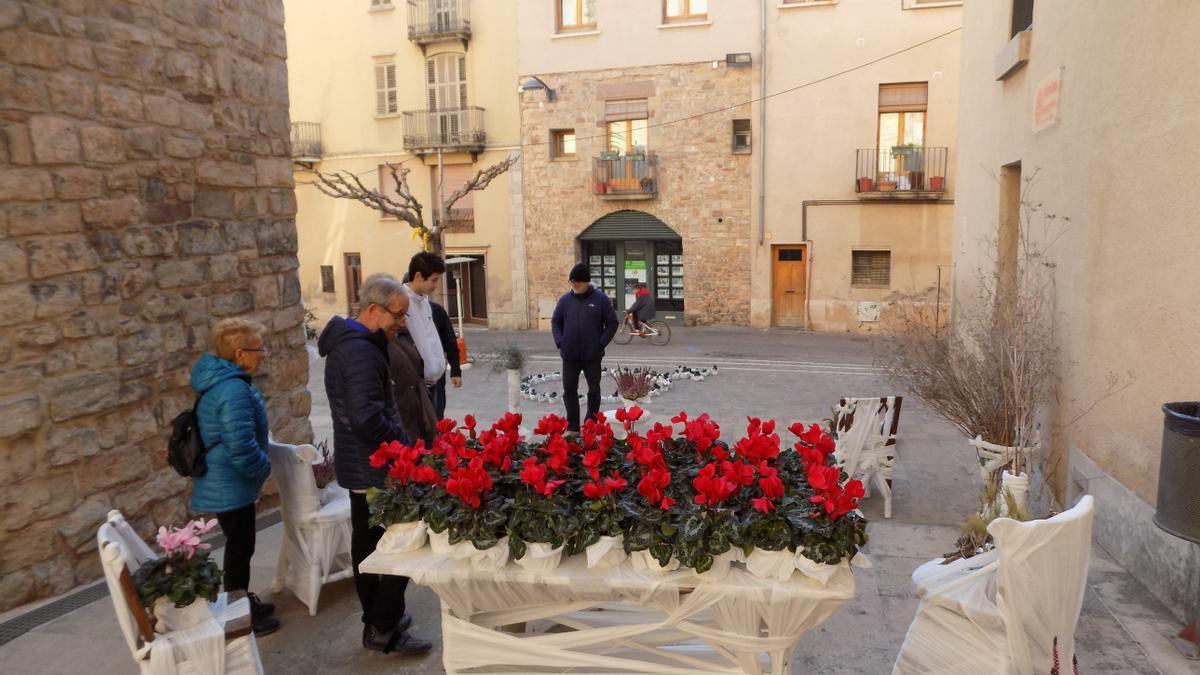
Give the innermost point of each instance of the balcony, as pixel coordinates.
(431, 21)
(459, 220)
(453, 130)
(625, 177)
(902, 172)
(306, 142)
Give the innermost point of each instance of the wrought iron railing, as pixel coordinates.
(306, 140)
(434, 20)
(458, 128)
(901, 168)
(616, 175)
(459, 220)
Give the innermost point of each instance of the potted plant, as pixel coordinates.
(865, 184)
(886, 186)
(511, 359)
(177, 587)
(398, 506)
(937, 183)
(324, 474)
(633, 385)
(596, 524)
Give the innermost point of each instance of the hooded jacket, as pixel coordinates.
(408, 384)
(233, 426)
(583, 325)
(643, 306)
(359, 388)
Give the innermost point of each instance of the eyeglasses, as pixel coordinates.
(260, 349)
(398, 316)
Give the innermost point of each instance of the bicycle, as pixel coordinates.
(657, 332)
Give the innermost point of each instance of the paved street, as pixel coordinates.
(776, 374)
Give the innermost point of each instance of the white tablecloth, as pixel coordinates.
(619, 619)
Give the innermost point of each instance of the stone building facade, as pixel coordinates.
(145, 192)
(701, 189)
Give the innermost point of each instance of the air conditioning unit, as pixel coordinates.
(738, 60)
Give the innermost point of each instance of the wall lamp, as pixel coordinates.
(534, 83)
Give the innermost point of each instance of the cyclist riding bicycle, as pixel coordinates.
(642, 309)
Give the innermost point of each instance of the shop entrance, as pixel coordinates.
(630, 247)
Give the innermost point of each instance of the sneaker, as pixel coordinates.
(258, 608)
(394, 641)
(264, 626)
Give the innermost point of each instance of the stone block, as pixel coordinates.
(266, 292)
(201, 237)
(99, 288)
(144, 142)
(214, 204)
(122, 179)
(70, 94)
(161, 213)
(52, 256)
(10, 15)
(110, 213)
(290, 289)
(84, 519)
(132, 392)
(195, 117)
(56, 576)
(161, 110)
(19, 415)
(286, 318)
(231, 304)
(65, 445)
(5, 349)
(143, 242)
(14, 264)
(283, 202)
(79, 325)
(184, 147)
(225, 174)
(25, 184)
(257, 266)
(18, 304)
(15, 137)
(79, 55)
(44, 218)
(176, 273)
(120, 103)
(276, 237)
(39, 335)
(274, 172)
(56, 298)
(20, 378)
(249, 204)
(32, 49)
(82, 395)
(77, 183)
(223, 267)
(96, 352)
(18, 586)
(55, 140)
(162, 307)
(103, 144)
(161, 485)
(20, 91)
(141, 348)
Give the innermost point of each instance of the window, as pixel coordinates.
(446, 81)
(326, 278)
(381, 4)
(901, 121)
(871, 268)
(562, 143)
(624, 136)
(353, 263)
(685, 10)
(1022, 16)
(385, 89)
(741, 137)
(576, 14)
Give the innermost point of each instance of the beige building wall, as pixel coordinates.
(332, 82)
(813, 133)
(1117, 163)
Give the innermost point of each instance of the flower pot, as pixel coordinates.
(329, 493)
(643, 561)
(403, 537)
(489, 560)
(937, 183)
(169, 618)
(1018, 487)
(886, 186)
(540, 556)
(720, 566)
(766, 564)
(514, 389)
(439, 542)
(865, 184)
(812, 569)
(607, 552)
(600, 188)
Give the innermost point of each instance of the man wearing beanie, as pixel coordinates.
(584, 323)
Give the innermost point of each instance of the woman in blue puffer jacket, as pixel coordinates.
(232, 419)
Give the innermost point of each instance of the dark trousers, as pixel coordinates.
(381, 595)
(238, 527)
(437, 394)
(570, 374)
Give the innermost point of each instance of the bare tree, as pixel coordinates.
(403, 204)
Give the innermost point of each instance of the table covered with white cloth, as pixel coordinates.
(619, 619)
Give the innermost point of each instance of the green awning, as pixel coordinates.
(627, 225)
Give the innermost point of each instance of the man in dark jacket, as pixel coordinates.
(449, 345)
(408, 383)
(584, 323)
(358, 385)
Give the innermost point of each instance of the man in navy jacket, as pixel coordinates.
(584, 323)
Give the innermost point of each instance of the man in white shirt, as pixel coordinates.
(425, 272)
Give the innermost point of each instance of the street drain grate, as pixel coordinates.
(20, 625)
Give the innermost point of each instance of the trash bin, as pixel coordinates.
(1178, 510)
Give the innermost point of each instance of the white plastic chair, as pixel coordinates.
(1001, 611)
(992, 457)
(316, 539)
(224, 643)
(866, 442)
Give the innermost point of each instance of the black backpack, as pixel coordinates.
(185, 450)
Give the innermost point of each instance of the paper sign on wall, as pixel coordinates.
(1045, 100)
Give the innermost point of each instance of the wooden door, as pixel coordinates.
(353, 282)
(789, 278)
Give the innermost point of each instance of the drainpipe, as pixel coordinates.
(762, 122)
(837, 202)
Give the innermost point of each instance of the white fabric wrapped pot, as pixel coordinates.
(169, 618)
(403, 537)
(766, 564)
(491, 559)
(440, 543)
(642, 560)
(540, 556)
(720, 565)
(1018, 487)
(607, 552)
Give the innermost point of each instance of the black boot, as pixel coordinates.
(259, 609)
(395, 641)
(264, 626)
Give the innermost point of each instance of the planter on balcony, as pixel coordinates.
(937, 183)
(865, 184)
(886, 186)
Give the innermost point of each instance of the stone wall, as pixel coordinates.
(145, 192)
(704, 190)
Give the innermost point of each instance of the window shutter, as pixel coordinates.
(618, 111)
(871, 268)
(909, 97)
(462, 79)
